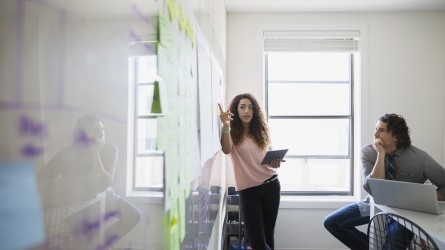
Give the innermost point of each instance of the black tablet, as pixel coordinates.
(273, 154)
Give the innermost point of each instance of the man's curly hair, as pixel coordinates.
(257, 128)
(396, 125)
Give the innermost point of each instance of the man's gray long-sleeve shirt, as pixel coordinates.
(411, 165)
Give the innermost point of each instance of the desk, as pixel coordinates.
(431, 223)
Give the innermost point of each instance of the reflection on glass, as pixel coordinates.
(145, 99)
(202, 210)
(149, 172)
(146, 68)
(147, 135)
(77, 182)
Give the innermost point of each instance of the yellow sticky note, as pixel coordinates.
(181, 18)
(172, 9)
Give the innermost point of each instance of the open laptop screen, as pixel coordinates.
(406, 195)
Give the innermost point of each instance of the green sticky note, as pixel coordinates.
(182, 218)
(156, 104)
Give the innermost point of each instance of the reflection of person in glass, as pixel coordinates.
(91, 160)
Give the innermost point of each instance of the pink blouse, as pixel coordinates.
(249, 172)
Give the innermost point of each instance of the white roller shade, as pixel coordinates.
(327, 41)
(143, 45)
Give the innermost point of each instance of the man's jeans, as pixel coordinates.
(398, 237)
(342, 225)
(343, 222)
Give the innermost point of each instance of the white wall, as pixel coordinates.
(211, 17)
(404, 73)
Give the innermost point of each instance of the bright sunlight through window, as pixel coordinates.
(309, 107)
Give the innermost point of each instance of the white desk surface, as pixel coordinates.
(431, 223)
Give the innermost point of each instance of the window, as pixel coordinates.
(309, 102)
(147, 171)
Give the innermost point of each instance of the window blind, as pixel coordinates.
(312, 41)
(143, 45)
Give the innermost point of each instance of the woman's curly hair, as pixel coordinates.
(257, 128)
(396, 125)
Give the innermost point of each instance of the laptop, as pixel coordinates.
(406, 195)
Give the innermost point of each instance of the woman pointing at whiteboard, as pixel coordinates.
(245, 137)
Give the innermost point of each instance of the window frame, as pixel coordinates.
(355, 117)
(134, 118)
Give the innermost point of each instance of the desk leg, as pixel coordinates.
(102, 198)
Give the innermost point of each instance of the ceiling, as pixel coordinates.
(332, 5)
(120, 7)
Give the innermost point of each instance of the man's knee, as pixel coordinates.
(135, 216)
(328, 222)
